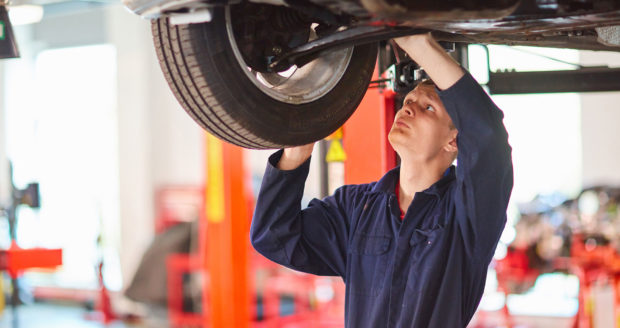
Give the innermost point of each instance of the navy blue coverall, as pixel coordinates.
(427, 270)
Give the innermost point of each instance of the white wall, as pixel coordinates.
(135, 171)
(600, 127)
(158, 143)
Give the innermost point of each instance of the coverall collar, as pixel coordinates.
(387, 184)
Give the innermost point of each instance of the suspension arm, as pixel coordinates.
(352, 36)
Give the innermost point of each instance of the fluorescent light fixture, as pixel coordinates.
(25, 14)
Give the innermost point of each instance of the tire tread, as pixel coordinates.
(207, 92)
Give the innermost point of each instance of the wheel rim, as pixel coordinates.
(298, 85)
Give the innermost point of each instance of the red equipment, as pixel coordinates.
(16, 259)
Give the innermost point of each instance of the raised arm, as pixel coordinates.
(312, 240)
(484, 162)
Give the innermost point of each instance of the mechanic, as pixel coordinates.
(412, 248)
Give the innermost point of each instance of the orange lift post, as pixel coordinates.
(227, 287)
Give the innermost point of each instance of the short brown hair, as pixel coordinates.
(427, 82)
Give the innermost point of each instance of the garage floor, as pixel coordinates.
(496, 320)
(63, 316)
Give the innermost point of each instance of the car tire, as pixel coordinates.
(202, 67)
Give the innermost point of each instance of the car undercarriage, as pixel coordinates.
(300, 53)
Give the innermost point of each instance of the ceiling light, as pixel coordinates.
(25, 14)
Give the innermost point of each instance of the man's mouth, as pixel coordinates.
(401, 124)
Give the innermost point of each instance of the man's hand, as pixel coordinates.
(295, 156)
(425, 51)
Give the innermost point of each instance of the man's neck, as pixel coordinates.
(417, 176)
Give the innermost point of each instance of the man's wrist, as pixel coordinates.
(294, 157)
(287, 163)
(418, 45)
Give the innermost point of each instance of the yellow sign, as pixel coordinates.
(215, 180)
(335, 153)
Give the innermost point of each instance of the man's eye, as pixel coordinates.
(431, 108)
(408, 102)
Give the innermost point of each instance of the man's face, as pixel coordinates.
(422, 127)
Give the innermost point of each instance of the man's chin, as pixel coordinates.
(398, 140)
(399, 133)
(392, 137)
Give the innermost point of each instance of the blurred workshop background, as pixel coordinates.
(108, 176)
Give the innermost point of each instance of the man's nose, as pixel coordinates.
(407, 110)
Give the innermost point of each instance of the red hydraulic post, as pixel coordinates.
(227, 291)
(369, 153)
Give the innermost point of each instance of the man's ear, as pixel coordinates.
(451, 146)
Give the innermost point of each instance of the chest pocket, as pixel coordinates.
(426, 256)
(426, 237)
(368, 265)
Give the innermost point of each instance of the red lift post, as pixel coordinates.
(369, 154)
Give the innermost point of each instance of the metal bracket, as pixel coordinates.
(353, 36)
(404, 76)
